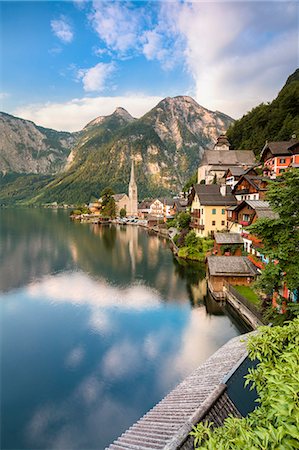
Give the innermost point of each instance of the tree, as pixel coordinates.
(123, 213)
(106, 194)
(183, 220)
(191, 239)
(280, 235)
(108, 203)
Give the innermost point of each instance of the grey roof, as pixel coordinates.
(169, 423)
(282, 148)
(180, 203)
(266, 213)
(258, 204)
(166, 201)
(230, 266)
(228, 238)
(118, 197)
(145, 204)
(210, 195)
(236, 171)
(228, 157)
(254, 180)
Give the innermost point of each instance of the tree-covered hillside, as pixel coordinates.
(276, 121)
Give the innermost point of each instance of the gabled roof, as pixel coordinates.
(231, 266)
(180, 203)
(145, 204)
(261, 208)
(280, 148)
(228, 238)
(228, 157)
(237, 171)
(210, 195)
(118, 197)
(255, 181)
(166, 201)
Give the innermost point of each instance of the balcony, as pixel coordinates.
(196, 213)
(195, 224)
(244, 223)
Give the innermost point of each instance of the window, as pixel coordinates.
(213, 222)
(222, 222)
(282, 161)
(246, 217)
(281, 170)
(213, 211)
(223, 211)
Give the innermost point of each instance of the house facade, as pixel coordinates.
(208, 208)
(278, 156)
(250, 187)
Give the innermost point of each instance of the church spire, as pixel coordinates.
(132, 179)
(133, 196)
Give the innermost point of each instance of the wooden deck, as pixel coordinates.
(168, 424)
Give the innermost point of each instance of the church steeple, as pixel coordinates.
(132, 179)
(133, 198)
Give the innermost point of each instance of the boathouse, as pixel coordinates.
(228, 244)
(235, 270)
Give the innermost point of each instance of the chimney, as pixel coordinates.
(223, 190)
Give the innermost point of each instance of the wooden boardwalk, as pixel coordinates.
(201, 395)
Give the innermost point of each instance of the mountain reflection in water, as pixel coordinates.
(97, 325)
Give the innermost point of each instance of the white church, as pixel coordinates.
(128, 202)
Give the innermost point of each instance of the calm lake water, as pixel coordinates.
(97, 325)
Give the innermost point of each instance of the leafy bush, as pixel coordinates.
(122, 213)
(274, 424)
(183, 220)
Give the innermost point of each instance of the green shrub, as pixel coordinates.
(274, 424)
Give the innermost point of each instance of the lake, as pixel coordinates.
(97, 325)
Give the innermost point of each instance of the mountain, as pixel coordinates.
(276, 121)
(28, 148)
(166, 144)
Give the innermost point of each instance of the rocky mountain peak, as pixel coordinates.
(119, 114)
(122, 112)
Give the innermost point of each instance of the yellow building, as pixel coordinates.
(208, 208)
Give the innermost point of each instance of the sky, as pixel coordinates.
(63, 63)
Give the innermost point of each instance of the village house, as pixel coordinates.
(246, 213)
(250, 187)
(278, 156)
(178, 205)
(217, 161)
(95, 207)
(233, 174)
(235, 270)
(161, 207)
(228, 244)
(144, 209)
(208, 208)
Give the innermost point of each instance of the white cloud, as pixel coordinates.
(62, 29)
(236, 57)
(94, 79)
(78, 289)
(118, 24)
(73, 115)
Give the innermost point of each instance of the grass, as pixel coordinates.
(249, 293)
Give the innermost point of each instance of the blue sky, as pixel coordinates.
(64, 63)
